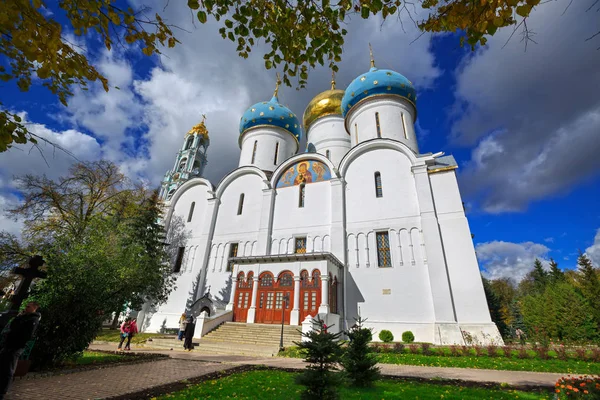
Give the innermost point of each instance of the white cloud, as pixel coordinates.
(593, 251)
(7, 223)
(500, 259)
(549, 240)
(531, 114)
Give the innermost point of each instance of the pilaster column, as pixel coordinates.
(266, 222)
(324, 307)
(295, 314)
(252, 311)
(443, 303)
(337, 233)
(231, 303)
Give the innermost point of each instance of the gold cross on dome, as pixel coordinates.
(277, 83)
(332, 80)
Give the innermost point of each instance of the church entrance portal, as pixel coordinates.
(243, 296)
(310, 294)
(271, 296)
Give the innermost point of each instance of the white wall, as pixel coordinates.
(361, 121)
(463, 270)
(267, 139)
(328, 134)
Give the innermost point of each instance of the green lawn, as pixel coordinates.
(281, 385)
(95, 357)
(108, 335)
(569, 366)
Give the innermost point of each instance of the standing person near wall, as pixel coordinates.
(124, 331)
(133, 330)
(14, 338)
(182, 324)
(189, 333)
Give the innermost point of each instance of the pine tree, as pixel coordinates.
(323, 352)
(556, 274)
(540, 276)
(589, 283)
(358, 360)
(494, 307)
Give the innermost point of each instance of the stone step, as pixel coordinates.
(254, 334)
(286, 343)
(237, 348)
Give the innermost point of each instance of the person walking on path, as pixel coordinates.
(14, 338)
(182, 323)
(133, 330)
(125, 326)
(190, 326)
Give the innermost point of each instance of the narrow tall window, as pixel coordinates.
(378, 188)
(276, 153)
(233, 249)
(191, 211)
(300, 245)
(384, 258)
(404, 126)
(377, 123)
(254, 151)
(356, 132)
(328, 154)
(301, 195)
(189, 142)
(178, 260)
(241, 204)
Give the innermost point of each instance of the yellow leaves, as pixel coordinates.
(524, 10)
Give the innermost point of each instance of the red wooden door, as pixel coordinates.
(310, 294)
(271, 297)
(243, 297)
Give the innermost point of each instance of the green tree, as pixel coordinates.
(539, 276)
(589, 283)
(323, 352)
(358, 360)
(494, 307)
(556, 274)
(504, 289)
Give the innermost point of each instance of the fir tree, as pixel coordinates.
(323, 352)
(556, 274)
(589, 283)
(358, 360)
(494, 307)
(540, 276)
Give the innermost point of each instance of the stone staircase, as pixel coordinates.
(248, 339)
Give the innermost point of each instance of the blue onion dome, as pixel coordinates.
(271, 113)
(378, 82)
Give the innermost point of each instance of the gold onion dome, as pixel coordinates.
(326, 103)
(200, 129)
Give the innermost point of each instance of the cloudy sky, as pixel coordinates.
(523, 122)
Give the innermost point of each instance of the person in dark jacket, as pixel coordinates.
(189, 334)
(14, 338)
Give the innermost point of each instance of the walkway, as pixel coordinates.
(123, 379)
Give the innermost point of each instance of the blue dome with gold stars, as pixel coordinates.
(378, 82)
(271, 113)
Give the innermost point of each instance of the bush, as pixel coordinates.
(386, 336)
(413, 348)
(426, 349)
(358, 360)
(587, 387)
(399, 348)
(408, 337)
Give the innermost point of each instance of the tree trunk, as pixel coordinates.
(115, 322)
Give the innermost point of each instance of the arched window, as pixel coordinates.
(189, 142)
(404, 126)
(378, 188)
(328, 154)
(254, 151)
(170, 194)
(191, 213)
(266, 280)
(240, 280)
(384, 258)
(241, 204)
(182, 164)
(276, 153)
(286, 280)
(301, 194)
(377, 123)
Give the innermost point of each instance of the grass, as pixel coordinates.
(568, 366)
(108, 335)
(95, 357)
(281, 385)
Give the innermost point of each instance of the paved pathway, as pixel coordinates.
(110, 381)
(123, 379)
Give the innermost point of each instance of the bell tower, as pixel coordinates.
(190, 161)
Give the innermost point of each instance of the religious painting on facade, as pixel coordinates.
(307, 171)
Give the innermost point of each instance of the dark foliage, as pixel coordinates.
(386, 336)
(358, 360)
(408, 337)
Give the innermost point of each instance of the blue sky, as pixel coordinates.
(524, 126)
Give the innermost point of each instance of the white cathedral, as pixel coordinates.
(361, 223)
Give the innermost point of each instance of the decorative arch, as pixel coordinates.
(233, 175)
(375, 144)
(310, 293)
(285, 279)
(184, 188)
